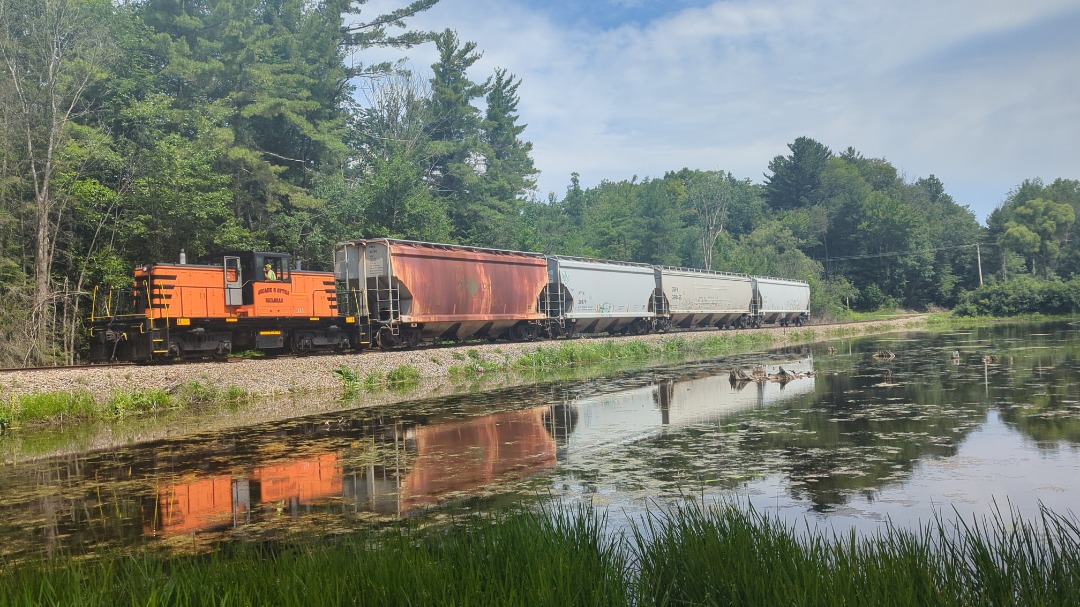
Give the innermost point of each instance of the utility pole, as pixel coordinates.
(978, 255)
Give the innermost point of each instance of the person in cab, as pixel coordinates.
(269, 273)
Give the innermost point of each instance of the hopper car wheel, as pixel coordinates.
(798, 321)
(638, 327)
(523, 332)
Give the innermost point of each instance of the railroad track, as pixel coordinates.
(425, 347)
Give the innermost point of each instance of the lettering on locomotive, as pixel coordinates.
(273, 290)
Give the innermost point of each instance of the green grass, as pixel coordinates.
(45, 409)
(402, 377)
(587, 352)
(684, 555)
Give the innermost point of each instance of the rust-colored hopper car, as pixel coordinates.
(248, 300)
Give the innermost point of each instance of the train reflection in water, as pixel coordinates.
(352, 468)
(421, 465)
(631, 415)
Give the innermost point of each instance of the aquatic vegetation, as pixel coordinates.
(689, 554)
(722, 555)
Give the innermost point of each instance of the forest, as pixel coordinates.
(133, 130)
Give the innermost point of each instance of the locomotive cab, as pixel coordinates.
(246, 269)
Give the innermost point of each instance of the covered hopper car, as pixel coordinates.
(779, 300)
(688, 298)
(415, 291)
(593, 296)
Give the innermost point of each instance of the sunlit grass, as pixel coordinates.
(588, 352)
(688, 554)
(44, 409)
(402, 378)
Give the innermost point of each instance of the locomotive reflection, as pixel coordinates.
(409, 467)
(396, 468)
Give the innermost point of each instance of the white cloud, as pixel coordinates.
(981, 93)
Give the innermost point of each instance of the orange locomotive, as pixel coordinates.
(251, 301)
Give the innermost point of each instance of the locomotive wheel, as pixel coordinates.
(385, 339)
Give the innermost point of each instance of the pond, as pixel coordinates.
(954, 424)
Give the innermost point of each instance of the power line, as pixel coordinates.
(900, 253)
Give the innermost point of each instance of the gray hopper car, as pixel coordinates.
(687, 298)
(593, 296)
(780, 300)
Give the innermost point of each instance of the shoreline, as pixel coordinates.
(308, 375)
(304, 387)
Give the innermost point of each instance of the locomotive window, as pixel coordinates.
(274, 269)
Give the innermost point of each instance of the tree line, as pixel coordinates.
(132, 130)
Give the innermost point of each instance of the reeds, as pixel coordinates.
(684, 555)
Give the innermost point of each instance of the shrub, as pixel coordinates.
(1022, 295)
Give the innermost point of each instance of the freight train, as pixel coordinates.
(390, 293)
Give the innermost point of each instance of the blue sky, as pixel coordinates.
(981, 93)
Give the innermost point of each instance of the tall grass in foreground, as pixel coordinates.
(521, 558)
(687, 555)
(730, 556)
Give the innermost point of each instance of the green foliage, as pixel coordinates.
(579, 352)
(1037, 229)
(795, 179)
(1022, 295)
(139, 402)
(350, 380)
(50, 408)
(54, 406)
(722, 555)
(403, 376)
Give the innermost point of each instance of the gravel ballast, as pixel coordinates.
(315, 374)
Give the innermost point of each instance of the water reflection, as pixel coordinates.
(864, 438)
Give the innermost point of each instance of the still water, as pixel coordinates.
(956, 424)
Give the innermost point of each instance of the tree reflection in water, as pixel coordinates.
(863, 439)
